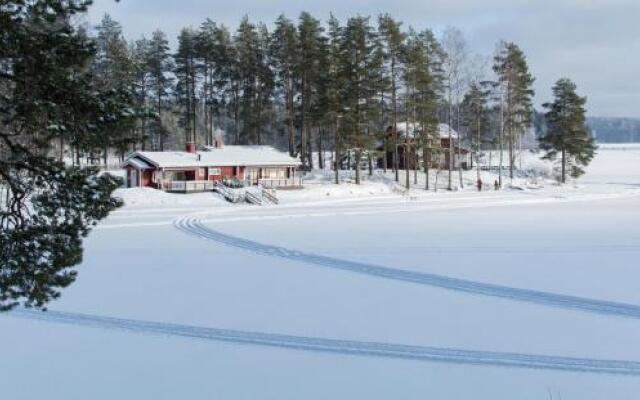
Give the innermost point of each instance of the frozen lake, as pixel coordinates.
(439, 295)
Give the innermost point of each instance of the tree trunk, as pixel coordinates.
(394, 100)
(357, 156)
(303, 128)
(564, 166)
(337, 152)
(320, 149)
(292, 144)
(427, 160)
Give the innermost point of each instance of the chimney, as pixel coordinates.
(191, 147)
(218, 143)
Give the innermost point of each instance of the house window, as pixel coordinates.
(215, 171)
(274, 173)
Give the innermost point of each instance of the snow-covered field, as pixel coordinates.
(351, 292)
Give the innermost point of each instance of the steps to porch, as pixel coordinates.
(257, 195)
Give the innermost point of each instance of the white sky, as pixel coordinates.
(594, 42)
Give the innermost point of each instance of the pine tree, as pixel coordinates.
(140, 87)
(567, 132)
(46, 93)
(335, 78)
(186, 73)
(284, 51)
(393, 40)
(360, 66)
(475, 111)
(256, 79)
(422, 86)
(310, 47)
(516, 80)
(159, 64)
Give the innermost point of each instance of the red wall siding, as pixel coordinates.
(225, 172)
(145, 177)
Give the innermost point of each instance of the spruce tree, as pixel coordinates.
(567, 133)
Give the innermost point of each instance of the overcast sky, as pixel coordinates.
(594, 42)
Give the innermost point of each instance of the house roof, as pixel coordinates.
(138, 163)
(228, 156)
(443, 129)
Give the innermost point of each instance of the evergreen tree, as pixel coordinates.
(516, 81)
(311, 42)
(475, 111)
(393, 40)
(140, 87)
(159, 65)
(186, 73)
(360, 66)
(114, 71)
(46, 93)
(335, 99)
(284, 52)
(567, 132)
(256, 79)
(422, 86)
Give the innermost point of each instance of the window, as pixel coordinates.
(214, 171)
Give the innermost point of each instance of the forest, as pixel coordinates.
(311, 87)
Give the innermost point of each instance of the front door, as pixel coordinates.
(133, 178)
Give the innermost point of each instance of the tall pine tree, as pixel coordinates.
(516, 86)
(567, 134)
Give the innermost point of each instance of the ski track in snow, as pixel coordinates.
(195, 227)
(343, 347)
(249, 213)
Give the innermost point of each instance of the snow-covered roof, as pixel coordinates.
(228, 156)
(443, 129)
(138, 163)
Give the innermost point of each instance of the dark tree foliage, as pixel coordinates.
(567, 134)
(47, 95)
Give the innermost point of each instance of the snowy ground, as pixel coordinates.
(350, 292)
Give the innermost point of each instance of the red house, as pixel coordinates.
(406, 132)
(197, 170)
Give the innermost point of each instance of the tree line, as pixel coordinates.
(311, 87)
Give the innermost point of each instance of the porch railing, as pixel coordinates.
(281, 183)
(187, 186)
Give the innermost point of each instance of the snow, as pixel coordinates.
(443, 129)
(227, 156)
(187, 296)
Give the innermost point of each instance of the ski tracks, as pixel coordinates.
(344, 347)
(194, 227)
